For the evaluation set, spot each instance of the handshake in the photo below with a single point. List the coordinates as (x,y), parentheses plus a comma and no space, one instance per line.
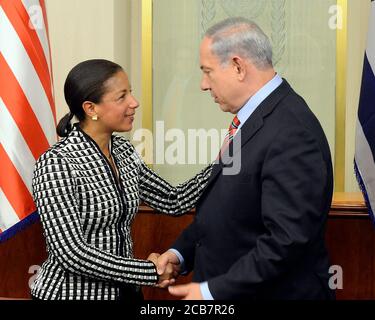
(168,267)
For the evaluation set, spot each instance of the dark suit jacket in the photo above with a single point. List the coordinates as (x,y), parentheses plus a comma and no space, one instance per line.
(259,234)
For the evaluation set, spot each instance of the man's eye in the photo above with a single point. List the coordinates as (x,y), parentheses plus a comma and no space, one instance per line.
(122,97)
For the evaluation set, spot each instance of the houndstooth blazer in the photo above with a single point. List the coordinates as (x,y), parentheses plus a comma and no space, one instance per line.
(86,216)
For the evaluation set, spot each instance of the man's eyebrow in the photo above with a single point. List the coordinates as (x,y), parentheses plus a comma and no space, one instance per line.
(205,68)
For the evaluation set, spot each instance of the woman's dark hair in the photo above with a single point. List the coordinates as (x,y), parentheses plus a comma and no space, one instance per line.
(85,82)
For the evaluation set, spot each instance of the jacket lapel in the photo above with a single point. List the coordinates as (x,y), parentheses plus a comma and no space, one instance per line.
(252,125)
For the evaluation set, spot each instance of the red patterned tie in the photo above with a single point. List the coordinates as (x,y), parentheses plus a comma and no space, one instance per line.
(232,130)
(230,134)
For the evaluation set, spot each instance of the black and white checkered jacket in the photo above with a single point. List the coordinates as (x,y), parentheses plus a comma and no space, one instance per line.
(86,216)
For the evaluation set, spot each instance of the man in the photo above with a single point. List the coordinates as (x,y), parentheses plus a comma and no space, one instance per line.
(258,234)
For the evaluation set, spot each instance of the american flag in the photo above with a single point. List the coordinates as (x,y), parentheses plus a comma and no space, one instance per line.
(365,136)
(27,109)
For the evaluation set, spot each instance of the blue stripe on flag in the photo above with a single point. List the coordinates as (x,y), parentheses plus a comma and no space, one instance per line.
(30,219)
(366,111)
(365,136)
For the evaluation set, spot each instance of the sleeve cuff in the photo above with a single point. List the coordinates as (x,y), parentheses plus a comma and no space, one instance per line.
(181,259)
(205,291)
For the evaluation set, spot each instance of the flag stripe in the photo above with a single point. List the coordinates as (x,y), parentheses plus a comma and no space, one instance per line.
(364,162)
(23,69)
(21,111)
(8,217)
(15,146)
(14,188)
(39,29)
(18,14)
(367,98)
(27,108)
(19,19)
(42,4)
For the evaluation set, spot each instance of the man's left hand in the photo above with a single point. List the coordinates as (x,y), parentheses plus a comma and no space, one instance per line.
(190,291)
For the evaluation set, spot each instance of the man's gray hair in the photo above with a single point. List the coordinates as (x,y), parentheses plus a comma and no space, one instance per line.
(243,37)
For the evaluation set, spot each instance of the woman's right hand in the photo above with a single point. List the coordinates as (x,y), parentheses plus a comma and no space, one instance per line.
(169,274)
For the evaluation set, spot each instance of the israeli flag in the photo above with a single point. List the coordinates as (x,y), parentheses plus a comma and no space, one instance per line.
(364,162)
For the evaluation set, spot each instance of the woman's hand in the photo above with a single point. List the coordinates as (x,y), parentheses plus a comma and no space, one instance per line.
(169,273)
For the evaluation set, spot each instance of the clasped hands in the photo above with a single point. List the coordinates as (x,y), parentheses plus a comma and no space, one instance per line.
(168,268)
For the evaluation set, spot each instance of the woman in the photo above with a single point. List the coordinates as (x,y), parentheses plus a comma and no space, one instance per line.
(87,188)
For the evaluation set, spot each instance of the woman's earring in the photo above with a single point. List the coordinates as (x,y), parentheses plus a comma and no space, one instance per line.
(95,118)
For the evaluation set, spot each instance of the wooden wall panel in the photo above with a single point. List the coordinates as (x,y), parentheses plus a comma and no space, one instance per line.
(156,233)
(350,241)
(17,255)
(351,244)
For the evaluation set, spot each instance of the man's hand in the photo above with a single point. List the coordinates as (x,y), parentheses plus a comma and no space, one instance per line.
(167,269)
(164,259)
(190,291)
(167,260)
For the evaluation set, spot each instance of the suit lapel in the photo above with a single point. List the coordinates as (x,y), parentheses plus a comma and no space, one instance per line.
(251,126)
(255,121)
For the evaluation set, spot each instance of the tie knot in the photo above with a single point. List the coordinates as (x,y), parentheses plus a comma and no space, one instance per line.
(235,123)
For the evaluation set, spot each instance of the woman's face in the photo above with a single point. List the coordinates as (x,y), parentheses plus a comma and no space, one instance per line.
(117,107)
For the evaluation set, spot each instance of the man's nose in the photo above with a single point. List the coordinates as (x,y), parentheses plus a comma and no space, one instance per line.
(204,85)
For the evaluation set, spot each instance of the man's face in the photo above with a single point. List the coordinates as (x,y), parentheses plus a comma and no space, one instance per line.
(221,80)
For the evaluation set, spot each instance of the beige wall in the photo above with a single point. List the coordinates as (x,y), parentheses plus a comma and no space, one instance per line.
(84,29)
(304,53)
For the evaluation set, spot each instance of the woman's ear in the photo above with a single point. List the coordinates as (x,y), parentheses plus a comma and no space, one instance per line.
(89,109)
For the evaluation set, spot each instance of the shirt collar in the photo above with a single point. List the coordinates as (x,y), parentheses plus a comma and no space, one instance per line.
(250,106)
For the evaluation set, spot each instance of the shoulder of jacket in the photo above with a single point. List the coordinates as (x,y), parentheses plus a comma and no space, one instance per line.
(60,148)
(120,142)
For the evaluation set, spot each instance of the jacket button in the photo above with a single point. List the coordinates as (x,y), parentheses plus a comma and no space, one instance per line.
(198,244)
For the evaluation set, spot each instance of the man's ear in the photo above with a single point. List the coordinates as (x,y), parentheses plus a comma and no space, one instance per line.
(89,109)
(240,67)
